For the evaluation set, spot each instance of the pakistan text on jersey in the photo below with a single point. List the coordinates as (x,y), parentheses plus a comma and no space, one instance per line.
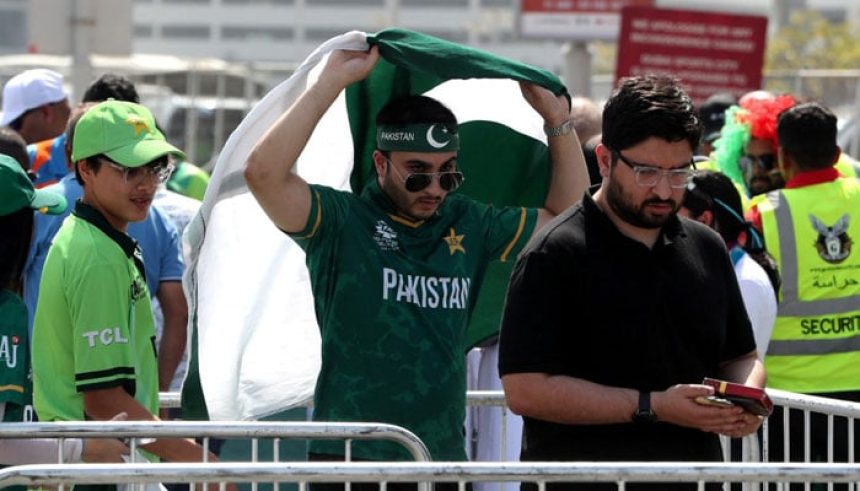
(433,292)
(830,325)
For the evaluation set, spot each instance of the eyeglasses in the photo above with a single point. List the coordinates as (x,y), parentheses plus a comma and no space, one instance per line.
(416,181)
(649,176)
(748,162)
(159,172)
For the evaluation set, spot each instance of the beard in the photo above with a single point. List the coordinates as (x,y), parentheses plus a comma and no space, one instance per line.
(404,202)
(636,215)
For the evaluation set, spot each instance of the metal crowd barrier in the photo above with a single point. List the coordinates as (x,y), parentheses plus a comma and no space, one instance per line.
(750,448)
(137,431)
(621,473)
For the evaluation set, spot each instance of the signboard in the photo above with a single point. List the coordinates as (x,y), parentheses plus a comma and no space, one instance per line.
(708,52)
(573,20)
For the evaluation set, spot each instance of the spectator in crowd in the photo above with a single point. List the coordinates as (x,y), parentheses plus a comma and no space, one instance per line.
(189,180)
(403,364)
(713,115)
(51,153)
(604,341)
(93,336)
(13,145)
(18,200)
(808,227)
(746,148)
(157,236)
(587,120)
(37,107)
(712,199)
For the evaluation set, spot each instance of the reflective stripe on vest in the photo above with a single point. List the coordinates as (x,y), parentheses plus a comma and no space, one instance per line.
(791,306)
(816,343)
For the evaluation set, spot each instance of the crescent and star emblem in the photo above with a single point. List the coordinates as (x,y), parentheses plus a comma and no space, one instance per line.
(434,142)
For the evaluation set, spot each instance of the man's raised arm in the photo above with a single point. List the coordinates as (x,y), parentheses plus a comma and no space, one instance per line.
(284,196)
(569,175)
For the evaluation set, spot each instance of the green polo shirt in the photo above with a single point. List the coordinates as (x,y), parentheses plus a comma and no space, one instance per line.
(93,327)
(392,300)
(15,388)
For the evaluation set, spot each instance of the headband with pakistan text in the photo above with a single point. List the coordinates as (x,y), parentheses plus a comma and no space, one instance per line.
(417,137)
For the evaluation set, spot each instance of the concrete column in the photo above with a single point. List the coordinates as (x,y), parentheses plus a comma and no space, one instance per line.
(576,67)
(82,23)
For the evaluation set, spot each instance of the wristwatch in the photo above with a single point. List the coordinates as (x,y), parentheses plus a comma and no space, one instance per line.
(643,413)
(560,130)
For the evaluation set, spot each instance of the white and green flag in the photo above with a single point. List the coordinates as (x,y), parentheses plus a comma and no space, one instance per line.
(256,337)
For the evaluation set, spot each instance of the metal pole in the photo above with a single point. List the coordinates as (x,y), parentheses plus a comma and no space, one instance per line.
(82,22)
(576,68)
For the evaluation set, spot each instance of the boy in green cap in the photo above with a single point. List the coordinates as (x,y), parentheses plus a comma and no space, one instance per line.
(18,199)
(93,334)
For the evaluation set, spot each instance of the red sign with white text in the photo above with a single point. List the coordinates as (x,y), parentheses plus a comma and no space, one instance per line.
(573,19)
(708,52)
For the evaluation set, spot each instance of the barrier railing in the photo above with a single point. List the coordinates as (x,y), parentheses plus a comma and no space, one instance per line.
(220,429)
(750,449)
(621,473)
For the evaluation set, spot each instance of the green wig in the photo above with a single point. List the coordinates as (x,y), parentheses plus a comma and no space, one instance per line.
(729,147)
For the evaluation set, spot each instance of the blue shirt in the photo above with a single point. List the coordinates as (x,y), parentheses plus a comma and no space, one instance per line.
(157,236)
(48,161)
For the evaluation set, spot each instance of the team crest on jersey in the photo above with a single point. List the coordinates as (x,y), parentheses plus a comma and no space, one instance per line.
(833,243)
(385,237)
(137,289)
(454,241)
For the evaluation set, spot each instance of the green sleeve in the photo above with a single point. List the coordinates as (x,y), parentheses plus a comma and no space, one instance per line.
(101,314)
(508,231)
(328,212)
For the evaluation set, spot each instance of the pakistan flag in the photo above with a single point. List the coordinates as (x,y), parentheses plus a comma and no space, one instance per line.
(257,341)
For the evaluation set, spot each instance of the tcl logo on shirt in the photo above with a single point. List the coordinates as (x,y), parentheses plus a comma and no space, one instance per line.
(111,335)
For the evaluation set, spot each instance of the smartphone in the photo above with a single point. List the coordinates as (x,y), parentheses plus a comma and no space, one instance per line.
(714,401)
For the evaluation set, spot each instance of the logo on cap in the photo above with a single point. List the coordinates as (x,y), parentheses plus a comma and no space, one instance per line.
(139,124)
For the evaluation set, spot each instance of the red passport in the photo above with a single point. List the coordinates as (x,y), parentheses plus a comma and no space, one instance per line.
(753,399)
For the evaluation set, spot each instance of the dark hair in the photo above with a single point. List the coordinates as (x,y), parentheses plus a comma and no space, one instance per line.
(416,109)
(649,106)
(16,229)
(13,145)
(715,192)
(111,86)
(807,134)
(93,163)
(588,151)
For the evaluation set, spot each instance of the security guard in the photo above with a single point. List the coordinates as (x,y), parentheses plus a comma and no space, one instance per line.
(809,227)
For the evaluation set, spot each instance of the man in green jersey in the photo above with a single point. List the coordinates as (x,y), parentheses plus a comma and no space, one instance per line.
(393,267)
(93,336)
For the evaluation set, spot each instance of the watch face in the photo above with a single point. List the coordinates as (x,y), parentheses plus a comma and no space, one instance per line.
(644,417)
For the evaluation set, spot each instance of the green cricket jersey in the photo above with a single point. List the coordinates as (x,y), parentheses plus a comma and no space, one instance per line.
(392,299)
(93,327)
(15,387)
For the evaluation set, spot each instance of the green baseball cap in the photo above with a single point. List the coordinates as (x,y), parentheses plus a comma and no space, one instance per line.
(123,131)
(17,192)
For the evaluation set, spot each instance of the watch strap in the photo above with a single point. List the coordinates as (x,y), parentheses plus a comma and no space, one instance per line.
(560,130)
(643,413)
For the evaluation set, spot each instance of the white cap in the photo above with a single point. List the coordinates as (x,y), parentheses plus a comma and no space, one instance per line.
(28,90)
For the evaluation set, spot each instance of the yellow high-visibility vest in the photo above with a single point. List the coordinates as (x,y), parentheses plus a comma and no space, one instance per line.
(811,232)
(847,166)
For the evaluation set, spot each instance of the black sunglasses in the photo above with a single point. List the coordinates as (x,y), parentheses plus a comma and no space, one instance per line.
(416,181)
(766,162)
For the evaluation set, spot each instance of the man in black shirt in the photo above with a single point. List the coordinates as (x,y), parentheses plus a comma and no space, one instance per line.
(618,309)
